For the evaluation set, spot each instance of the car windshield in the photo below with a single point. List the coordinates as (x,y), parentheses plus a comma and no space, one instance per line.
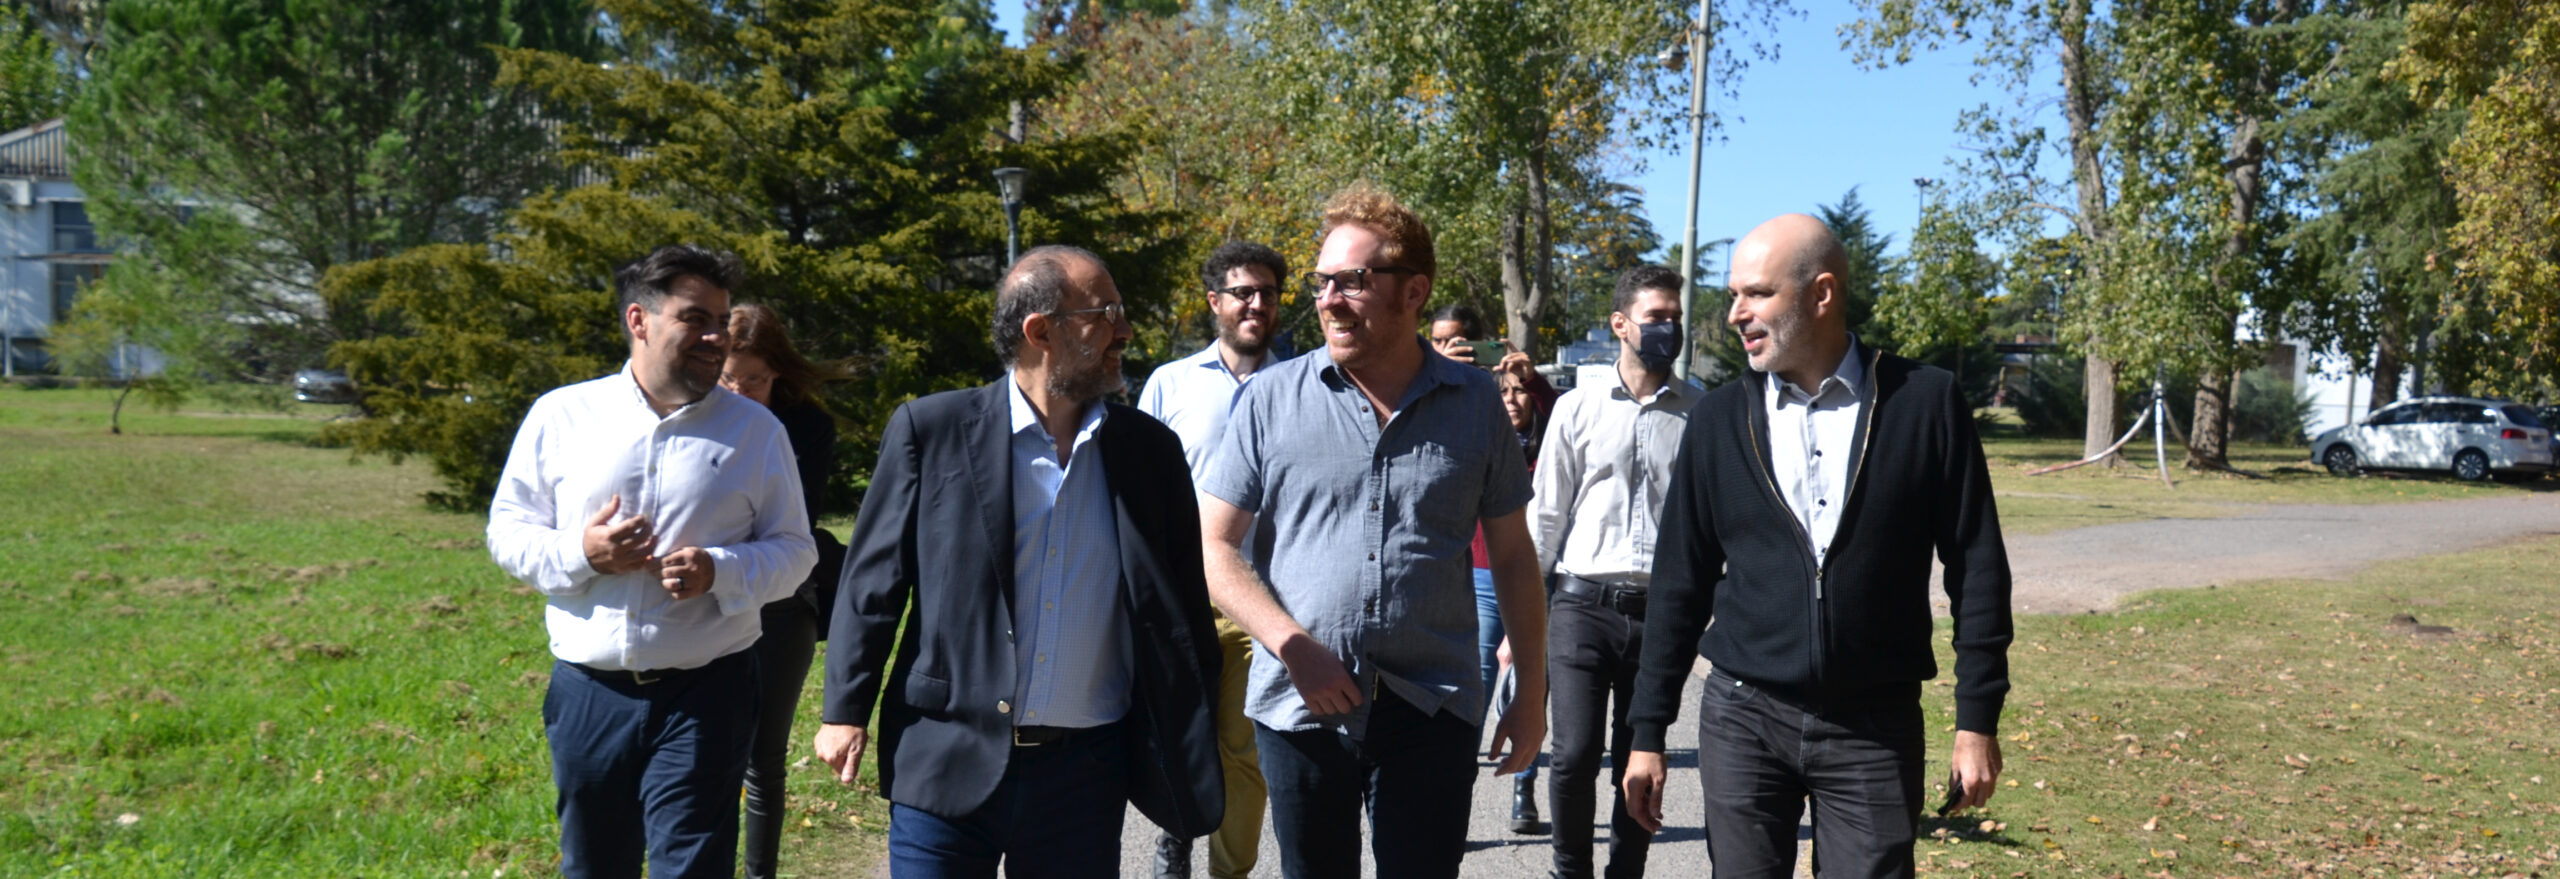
(2522,416)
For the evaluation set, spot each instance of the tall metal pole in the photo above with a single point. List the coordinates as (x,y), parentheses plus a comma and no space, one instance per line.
(1697,146)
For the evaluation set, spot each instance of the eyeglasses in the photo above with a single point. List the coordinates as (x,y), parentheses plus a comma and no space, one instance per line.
(1351,283)
(1248,292)
(1114,312)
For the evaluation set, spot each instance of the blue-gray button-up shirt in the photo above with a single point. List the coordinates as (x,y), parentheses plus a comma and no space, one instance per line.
(1073,662)
(1370,526)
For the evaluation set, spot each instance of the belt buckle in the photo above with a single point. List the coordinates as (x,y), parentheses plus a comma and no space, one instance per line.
(648,677)
(1019,743)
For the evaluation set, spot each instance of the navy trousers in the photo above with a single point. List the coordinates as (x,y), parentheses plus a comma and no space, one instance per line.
(1056,813)
(1415,772)
(650,768)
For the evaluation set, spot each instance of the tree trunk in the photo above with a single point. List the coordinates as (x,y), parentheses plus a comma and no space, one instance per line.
(2388,361)
(1515,273)
(2080,110)
(2208,446)
(1523,302)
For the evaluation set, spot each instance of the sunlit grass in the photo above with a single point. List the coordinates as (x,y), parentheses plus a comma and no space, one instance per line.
(242,655)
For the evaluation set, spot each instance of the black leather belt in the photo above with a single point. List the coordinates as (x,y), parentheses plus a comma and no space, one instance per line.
(1043,736)
(1624,596)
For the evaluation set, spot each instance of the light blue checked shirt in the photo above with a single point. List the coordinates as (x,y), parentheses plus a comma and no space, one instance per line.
(1072,659)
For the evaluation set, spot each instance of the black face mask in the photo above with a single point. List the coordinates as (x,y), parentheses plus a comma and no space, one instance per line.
(1658,345)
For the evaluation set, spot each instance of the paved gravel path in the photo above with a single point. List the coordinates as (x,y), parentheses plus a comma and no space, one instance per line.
(2064,572)
(2086,569)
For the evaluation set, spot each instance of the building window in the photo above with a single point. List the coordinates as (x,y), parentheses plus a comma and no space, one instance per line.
(72,232)
(68,280)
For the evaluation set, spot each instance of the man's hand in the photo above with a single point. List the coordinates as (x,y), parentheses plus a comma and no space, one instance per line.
(1321,680)
(685,573)
(1455,348)
(1524,729)
(1977,768)
(1643,789)
(840,745)
(616,547)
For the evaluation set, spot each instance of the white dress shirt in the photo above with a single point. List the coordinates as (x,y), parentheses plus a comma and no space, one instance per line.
(1073,661)
(1192,396)
(1601,477)
(717,474)
(1809,437)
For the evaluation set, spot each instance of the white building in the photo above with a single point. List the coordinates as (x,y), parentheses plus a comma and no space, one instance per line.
(49,248)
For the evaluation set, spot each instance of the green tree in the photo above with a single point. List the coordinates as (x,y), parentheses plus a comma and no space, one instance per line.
(2016,43)
(1939,309)
(246,147)
(34,84)
(2377,206)
(1482,113)
(841,147)
(2498,61)
(1871,271)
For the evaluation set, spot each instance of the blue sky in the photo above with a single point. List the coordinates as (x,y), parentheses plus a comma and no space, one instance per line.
(1809,126)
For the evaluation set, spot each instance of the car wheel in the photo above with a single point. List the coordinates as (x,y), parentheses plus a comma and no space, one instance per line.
(2341,461)
(2471,466)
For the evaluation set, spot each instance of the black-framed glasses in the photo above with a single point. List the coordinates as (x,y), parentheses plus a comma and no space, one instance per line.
(1247,292)
(1114,312)
(1351,283)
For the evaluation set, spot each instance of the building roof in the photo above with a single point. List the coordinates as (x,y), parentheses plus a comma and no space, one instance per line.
(39,151)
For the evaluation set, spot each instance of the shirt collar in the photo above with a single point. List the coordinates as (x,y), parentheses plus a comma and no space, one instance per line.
(1673,387)
(1212,357)
(1849,376)
(640,397)
(1026,418)
(1437,369)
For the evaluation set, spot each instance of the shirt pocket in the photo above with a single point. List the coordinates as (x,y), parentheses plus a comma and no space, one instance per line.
(1444,485)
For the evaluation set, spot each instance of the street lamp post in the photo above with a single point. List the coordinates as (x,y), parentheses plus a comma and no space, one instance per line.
(1697,50)
(1009,184)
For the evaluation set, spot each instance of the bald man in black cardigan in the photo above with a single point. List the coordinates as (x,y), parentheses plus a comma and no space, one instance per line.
(1805,506)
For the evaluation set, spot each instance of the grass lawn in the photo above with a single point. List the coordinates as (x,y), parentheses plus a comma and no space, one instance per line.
(2098,494)
(249,656)
(242,655)
(2282,728)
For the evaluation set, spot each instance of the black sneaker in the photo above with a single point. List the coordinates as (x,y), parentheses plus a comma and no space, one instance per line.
(1173,857)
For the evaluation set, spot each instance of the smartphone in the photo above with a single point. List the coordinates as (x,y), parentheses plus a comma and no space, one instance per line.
(1488,352)
(1955,794)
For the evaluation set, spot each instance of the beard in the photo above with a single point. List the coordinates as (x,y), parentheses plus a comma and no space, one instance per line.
(1091,375)
(1231,334)
(1788,331)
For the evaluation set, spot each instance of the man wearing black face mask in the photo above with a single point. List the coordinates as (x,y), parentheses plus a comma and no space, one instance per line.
(1599,483)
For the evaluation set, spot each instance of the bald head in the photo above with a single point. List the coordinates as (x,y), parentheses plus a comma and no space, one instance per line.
(1798,247)
(1788,303)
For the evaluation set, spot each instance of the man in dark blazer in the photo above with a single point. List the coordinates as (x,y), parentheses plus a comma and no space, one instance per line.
(1041,548)
(1806,503)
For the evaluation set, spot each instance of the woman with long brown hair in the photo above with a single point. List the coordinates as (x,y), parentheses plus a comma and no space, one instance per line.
(764,366)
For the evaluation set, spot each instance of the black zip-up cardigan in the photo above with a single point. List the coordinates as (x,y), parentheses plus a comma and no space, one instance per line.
(1860,628)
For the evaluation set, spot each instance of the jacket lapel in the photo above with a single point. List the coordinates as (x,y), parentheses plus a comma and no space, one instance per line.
(991,477)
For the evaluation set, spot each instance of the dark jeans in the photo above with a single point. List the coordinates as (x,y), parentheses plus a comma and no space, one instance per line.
(782,658)
(1416,774)
(1056,813)
(1760,756)
(1591,673)
(655,765)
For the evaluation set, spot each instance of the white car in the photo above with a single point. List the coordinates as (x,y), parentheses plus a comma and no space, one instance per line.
(2475,438)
